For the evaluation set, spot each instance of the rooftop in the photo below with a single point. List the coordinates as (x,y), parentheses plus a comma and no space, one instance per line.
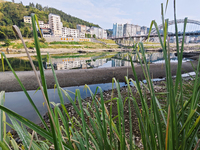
(54,15)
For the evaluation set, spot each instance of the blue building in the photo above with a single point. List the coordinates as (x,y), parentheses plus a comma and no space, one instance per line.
(117,30)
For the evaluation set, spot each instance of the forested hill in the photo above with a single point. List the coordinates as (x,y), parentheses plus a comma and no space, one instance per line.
(13,13)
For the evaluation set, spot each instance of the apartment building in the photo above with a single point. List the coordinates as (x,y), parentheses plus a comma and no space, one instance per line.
(65,32)
(74,33)
(143,30)
(117,30)
(98,32)
(27,19)
(46,32)
(55,24)
(104,34)
(133,29)
(46,26)
(95,31)
(41,24)
(130,30)
(127,30)
(81,35)
(138,28)
(81,28)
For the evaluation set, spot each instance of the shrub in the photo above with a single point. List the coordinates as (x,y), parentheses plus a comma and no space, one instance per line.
(7,42)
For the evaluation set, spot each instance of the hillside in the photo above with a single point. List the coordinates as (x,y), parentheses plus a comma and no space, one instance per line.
(13,13)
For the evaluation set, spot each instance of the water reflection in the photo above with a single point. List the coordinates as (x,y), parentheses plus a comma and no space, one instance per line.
(87,61)
(120,59)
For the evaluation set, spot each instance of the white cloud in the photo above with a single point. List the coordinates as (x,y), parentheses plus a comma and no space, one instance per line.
(100,14)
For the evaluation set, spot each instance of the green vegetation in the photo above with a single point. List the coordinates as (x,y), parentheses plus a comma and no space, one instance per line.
(55,45)
(17,63)
(88,35)
(107,41)
(83,55)
(171,125)
(30,45)
(152,47)
(85,44)
(109,32)
(150,43)
(13,13)
(67,43)
(7,42)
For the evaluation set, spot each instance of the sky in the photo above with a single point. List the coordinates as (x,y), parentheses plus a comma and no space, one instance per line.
(106,12)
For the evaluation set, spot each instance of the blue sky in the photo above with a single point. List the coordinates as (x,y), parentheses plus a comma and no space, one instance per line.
(107,12)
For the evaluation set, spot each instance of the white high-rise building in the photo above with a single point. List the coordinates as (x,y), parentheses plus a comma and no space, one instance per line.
(41,24)
(55,24)
(74,33)
(81,35)
(131,30)
(104,34)
(127,30)
(65,32)
(98,32)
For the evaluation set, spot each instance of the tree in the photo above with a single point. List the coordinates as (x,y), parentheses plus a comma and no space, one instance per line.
(27,32)
(7,42)
(94,36)
(32,5)
(87,35)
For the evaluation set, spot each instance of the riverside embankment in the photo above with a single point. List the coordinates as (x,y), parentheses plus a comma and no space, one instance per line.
(67,78)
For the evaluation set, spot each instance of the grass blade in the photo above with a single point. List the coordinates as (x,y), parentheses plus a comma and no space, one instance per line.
(31,125)
(2,100)
(3,146)
(20,132)
(83,120)
(2,62)
(26,93)
(36,40)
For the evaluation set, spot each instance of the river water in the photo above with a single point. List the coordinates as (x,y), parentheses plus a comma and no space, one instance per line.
(86,61)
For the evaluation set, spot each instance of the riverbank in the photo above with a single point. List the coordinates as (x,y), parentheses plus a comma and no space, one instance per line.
(67,78)
(22,53)
(14,52)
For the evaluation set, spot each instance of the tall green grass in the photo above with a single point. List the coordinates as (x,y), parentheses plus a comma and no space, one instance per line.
(93,127)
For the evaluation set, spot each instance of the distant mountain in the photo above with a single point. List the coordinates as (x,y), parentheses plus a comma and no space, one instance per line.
(13,13)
